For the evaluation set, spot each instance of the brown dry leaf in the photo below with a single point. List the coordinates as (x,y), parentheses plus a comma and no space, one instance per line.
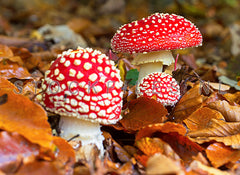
(230,113)
(65,154)
(167,127)
(5,51)
(200,118)
(219,154)
(233,98)
(197,167)
(220,131)
(173,134)
(11,69)
(143,111)
(150,146)
(161,164)
(190,101)
(19,114)
(14,149)
(7,85)
(42,168)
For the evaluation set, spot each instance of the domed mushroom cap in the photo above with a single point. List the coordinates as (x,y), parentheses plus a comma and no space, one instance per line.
(157,32)
(160,86)
(85,84)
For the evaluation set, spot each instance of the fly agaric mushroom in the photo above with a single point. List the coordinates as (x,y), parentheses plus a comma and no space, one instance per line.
(153,37)
(84,87)
(161,87)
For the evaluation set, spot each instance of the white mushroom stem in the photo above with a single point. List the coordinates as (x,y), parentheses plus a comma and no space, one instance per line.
(152,62)
(89,132)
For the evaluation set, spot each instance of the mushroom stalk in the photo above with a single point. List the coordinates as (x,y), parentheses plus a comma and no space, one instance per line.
(152,62)
(89,132)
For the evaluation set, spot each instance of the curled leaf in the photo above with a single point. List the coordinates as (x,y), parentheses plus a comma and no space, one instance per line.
(220,131)
(230,113)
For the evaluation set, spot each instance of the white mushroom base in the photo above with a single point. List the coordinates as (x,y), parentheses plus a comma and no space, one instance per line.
(89,132)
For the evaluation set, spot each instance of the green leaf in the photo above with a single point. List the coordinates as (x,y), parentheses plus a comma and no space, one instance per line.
(132,76)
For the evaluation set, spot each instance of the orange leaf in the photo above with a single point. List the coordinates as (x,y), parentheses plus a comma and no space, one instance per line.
(220,131)
(189,102)
(219,154)
(167,127)
(230,113)
(233,98)
(201,117)
(7,85)
(19,114)
(151,146)
(5,51)
(173,134)
(13,70)
(143,111)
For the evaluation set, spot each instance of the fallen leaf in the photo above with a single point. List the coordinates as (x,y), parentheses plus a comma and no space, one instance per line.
(199,168)
(29,119)
(190,101)
(200,118)
(7,85)
(233,98)
(230,113)
(41,167)
(14,149)
(11,69)
(161,164)
(143,111)
(167,127)
(174,135)
(5,52)
(220,131)
(219,154)
(150,146)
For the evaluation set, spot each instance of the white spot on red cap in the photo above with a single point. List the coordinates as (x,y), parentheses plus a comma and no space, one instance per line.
(72,73)
(87,66)
(77,62)
(93,77)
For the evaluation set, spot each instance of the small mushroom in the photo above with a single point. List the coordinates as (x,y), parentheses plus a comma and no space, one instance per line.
(153,37)
(160,86)
(84,87)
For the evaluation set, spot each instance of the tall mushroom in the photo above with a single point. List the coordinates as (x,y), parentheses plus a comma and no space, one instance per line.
(153,37)
(84,87)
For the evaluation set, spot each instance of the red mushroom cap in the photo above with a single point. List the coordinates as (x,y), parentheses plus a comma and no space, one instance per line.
(83,83)
(157,32)
(160,86)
